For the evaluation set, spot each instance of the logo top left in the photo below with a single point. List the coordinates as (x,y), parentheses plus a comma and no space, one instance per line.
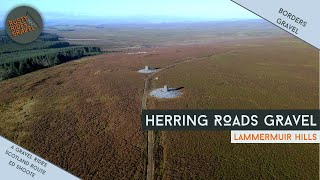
(24,24)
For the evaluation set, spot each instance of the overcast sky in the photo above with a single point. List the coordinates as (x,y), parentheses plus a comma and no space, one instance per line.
(80,9)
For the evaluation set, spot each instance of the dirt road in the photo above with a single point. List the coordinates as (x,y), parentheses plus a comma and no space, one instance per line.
(150,162)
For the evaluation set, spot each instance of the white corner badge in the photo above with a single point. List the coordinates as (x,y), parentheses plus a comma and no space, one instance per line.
(18,163)
(299,18)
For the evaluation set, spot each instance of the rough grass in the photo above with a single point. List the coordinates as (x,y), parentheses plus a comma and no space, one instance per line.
(84,115)
(274,75)
(86,123)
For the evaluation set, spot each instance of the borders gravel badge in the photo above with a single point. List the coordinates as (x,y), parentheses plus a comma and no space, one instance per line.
(24,24)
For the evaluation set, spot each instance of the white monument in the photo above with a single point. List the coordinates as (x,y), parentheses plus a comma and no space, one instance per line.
(165,88)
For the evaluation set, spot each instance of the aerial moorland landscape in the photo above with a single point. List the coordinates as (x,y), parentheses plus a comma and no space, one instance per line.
(75,97)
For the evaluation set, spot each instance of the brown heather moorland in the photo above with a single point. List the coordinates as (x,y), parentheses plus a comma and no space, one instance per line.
(84,115)
(271,74)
